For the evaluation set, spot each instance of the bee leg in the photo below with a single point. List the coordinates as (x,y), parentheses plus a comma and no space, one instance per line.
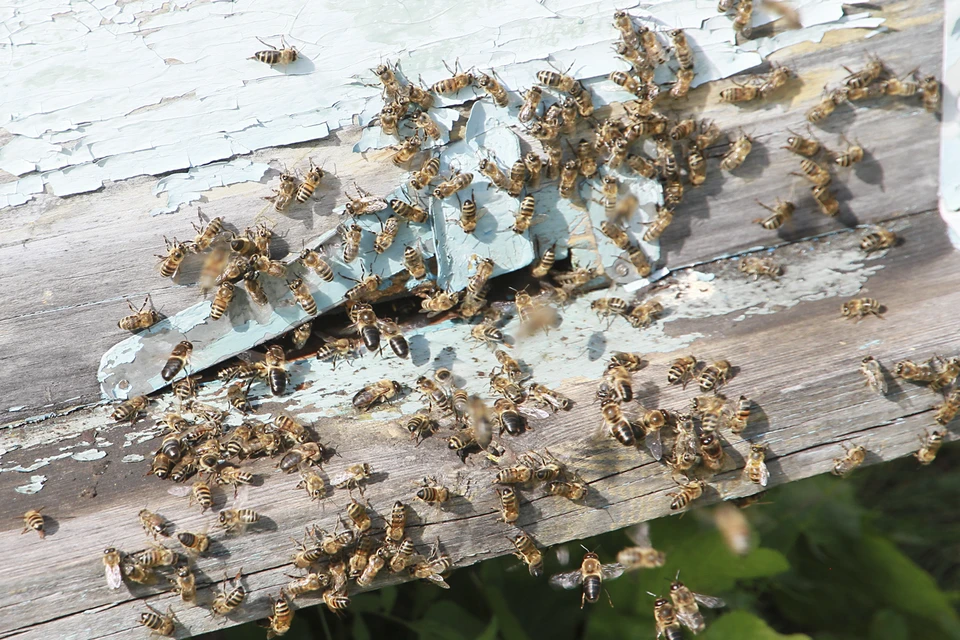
(609,599)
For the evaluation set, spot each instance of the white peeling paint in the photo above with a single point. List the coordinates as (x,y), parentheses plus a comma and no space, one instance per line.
(35,485)
(133,457)
(123,89)
(37,464)
(950,125)
(183,188)
(17,408)
(89,455)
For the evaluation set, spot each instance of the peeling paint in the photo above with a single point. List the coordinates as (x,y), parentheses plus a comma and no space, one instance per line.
(123,89)
(35,485)
(183,188)
(89,455)
(133,457)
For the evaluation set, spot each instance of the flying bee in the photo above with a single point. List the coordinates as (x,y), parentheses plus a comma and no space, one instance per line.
(591,575)
(236,521)
(686,605)
(426,124)
(930,88)
(139,320)
(531,101)
(568,178)
(457,182)
(929,446)
(152,524)
(850,157)
(170,263)
(509,504)
(826,200)
(682,85)
(860,308)
(948,410)
(743,17)
(737,154)
(870,368)
(546,397)
(432,492)
(458,81)
(738,422)
(614,420)
(33,521)
(428,171)
(643,555)
(853,458)
(131,408)
(714,375)
(528,553)
(494,89)
(779,215)
(755,470)
(226,601)
(664,615)
(757,266)
(689,490)
(404,153)
(523,219)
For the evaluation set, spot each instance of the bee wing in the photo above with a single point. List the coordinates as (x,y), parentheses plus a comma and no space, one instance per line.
(568,580)
(764,474)
(612,571)
(709,601)
(180,492)
(114,577)
(251,356)
(373,204)
(533,412)
(439,581)
(563,554)
(640,534)
(243,492)
(654,444)
(692,620)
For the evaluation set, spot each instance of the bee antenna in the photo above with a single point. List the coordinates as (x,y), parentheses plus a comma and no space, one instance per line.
(652,594)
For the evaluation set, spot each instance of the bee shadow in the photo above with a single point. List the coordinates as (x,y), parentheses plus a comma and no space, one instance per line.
(649,392)
(758,424)
(755,163)
(869,170)
(596,346)
(50,526)
(419,349)
(217,549)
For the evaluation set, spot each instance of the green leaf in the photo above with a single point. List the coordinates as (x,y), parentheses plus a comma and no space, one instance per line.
(510,627)
(388,597)
(490,633)
(741,625)
(446,620)
(360,631)
(888,625)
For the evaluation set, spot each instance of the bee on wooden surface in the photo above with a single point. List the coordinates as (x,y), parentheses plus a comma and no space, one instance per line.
(866,76)
(681,87)
(696,166)
(667,161)
(139,574)
(739,93)
(236,521)
(930,88)
(689,490)
(756,267)
(494,89)
(639,260)
(822,110)
(738,421)
(517,474)
(618,426)
(152,524)
(313,484)
(222,300)
(948,410)
(353,477)
(228,600)
(826,200)
(774,80)
(170,263)
(714,375)
(358,516)
(870,368)
(157,556)
(531,101)
(200,493)
(929,446)
(158,623)
(183,469)
(375,563)
(909,370)
(947,375)
(778,215)
(310,182)
(337,601)
(571,490)
(131,408)
(658,225)
(850,157)
(394,337)
(509,417)
(282,619)
(642,315)
(364,203)
(620,382)
(738,152)
(556,80)
(526,551)
(229,474)
(755,469)
(509,504)
(641,166)
(206,234)
(546,397)
(439,302)
(333,543)
(590,575)
(878,239)
(643,555)
(33,521)
(185,584)
(301,456)
(285,192)
(860,308)
(194,543)
(436,396)
(743,17)
(433,567)
(686,605)
(664,615)
(432,492)
(306,584)
(801,146)
(404,153)
(897,87)
(140,319)
(301,293)
(459,80)
(457,182)
(711,447)
(582,97)
(853,458)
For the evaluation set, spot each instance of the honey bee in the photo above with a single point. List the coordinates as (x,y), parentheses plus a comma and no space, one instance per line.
(643,314)
(696,165)
(799,145)
(682,85)
(619,427)
(139,320)
(866,76)
(177,360)
(509,417)
(664,615)
(930,88)
(739,93)
(452,85)
(457,182)
(544,263)
(774,80)
(200,492)
(152,524)
(486,333)
(628,82)
(313,260)
(386,75)
(282,618)
(947,376)
(439,302)
(394,337)
(590,575)
(284,56)
(689,490)
(741,21)
(605,307)
(312,483)
(274,370)
(389,118)
(948,410)
(285,193)
(756,267)
(555,80)
(564,489)
(822,110)
(301,456)
(407,211)
(714,375)
(494,89)
(686,604)
(194,543)
(738,422)
(353,477)
(734,528)
(158,623)
(420,426)
(860,308)
(310,182)
(779,215)
(870,368)
(404,153)
(222,300)
(131,408)
(681,49)
(158,556)
(301,293)
(643,555)
(335,349)
(853,458)
(426,124)
(432,492)
(641,166)
(170,263)
(826,200)
(306,584)
(428,171)
(909,370)
(33,521)
(533,165)
(509,504)
(657,226)
(929,446)
(546,397)
(527,552)
(850,157)
(518,175)
(651,46)
(523,219)
(358,516)
(235,521)
(384,240)
(878,239)
(333,543)
(531,101)
(582,97)
(568,178)
(755,470)
(554,160)
(737,154)
(185,584)
(227,601)
(627,33)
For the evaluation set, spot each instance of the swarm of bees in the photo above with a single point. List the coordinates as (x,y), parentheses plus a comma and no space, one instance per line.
(200,446)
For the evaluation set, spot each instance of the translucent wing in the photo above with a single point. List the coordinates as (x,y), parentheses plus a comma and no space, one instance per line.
(533,412)
(612,571)
(563,554)
(709,601)
(640,534)
(764,474)
(180,492)
(439,581)
(692,620)
(654,444)
(568,580)
(114,577)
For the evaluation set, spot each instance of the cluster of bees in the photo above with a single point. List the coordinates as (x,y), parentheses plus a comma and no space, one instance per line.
(689,441)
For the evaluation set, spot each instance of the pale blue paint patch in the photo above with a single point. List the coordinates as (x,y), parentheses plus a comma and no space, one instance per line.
(867,345)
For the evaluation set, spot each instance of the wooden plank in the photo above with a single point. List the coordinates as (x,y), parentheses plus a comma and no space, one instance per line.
(71,261)
(811,398)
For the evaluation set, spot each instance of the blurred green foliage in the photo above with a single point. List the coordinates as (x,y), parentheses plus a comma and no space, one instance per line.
(872,557)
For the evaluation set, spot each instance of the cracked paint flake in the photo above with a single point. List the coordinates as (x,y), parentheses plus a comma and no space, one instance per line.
(35,485)
(122,89)
(184,188)
(89,455)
